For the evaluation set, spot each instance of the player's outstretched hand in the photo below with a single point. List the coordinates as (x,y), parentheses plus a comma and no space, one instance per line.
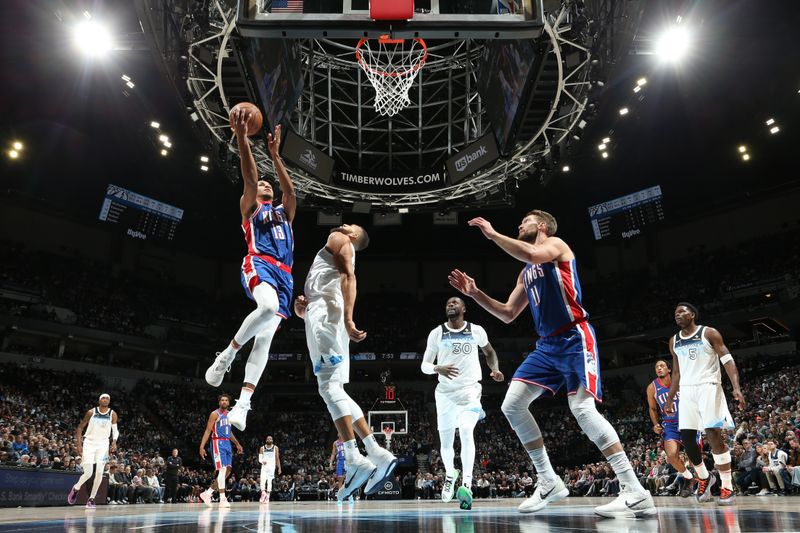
(355,334)
(485,226)
(240,119)
(739,397)
(463,283)
(497,375)
(448,371)
(300,304)
(202,453)
(274,142)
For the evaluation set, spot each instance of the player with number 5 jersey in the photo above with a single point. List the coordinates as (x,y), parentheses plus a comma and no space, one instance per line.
(565,358)
(266,270)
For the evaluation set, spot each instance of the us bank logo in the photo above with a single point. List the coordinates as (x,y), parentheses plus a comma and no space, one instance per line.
(309,159)
(463,162)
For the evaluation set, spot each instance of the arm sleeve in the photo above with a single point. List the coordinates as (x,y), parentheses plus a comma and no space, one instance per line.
(114,432)
(430,352)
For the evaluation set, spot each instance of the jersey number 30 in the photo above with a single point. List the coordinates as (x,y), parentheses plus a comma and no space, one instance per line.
(461,347)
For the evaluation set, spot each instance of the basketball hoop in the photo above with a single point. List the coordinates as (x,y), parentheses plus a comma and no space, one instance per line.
(392,66)
(387,432)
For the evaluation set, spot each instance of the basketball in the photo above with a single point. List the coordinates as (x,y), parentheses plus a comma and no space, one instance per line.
(254,118)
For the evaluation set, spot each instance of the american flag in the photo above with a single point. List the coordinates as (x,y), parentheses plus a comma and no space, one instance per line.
(287,6)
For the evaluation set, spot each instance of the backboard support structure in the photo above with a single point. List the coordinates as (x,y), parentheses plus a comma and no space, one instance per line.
(440,19)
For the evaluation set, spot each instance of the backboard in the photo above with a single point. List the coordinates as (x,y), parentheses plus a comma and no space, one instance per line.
(433,19)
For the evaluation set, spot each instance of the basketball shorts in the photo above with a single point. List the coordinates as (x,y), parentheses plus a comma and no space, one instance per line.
(221,453)
(704,406)
(340,469)
(566,360)
(671,432)
(94,452)
(451,403)
(256,270)
(327,339)
(267,471)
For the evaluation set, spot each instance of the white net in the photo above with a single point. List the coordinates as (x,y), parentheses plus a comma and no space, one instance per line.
(392,66)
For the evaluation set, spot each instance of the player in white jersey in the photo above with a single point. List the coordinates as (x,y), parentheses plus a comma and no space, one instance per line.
(270,459)
(697,352)
(101,425)
(327,307)
(454,346)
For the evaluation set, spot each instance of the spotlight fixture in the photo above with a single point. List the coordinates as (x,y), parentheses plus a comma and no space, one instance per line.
(623,111)
(565,168)
(602,147)
(673,44)
(637,89)
(168,144)
(155,125)
(746,157)
(204,168)
(13,154)
(606,140)
(742,149)
(91,38)
(125,77)
(774,129)
(163,138)
(204,158)
(130,84)
(605,155)
(770,121)
(641,81)
(17,146)
(164,151)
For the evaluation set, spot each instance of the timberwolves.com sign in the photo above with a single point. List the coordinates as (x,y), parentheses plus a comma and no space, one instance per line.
(422,181)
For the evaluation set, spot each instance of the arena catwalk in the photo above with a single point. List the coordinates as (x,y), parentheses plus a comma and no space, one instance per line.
(674,515)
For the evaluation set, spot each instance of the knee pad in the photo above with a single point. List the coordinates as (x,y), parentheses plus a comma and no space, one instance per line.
(515,408)
(593,424)
(266,298)
(689,438)
(335,398)
(722,458)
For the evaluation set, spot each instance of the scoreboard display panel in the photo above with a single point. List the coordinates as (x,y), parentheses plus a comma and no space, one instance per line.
(139,216)
(626,216)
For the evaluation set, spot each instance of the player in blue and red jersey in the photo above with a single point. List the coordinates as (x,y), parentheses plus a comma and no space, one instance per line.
(218,429)
(565,357)
(667,426)
(266,269)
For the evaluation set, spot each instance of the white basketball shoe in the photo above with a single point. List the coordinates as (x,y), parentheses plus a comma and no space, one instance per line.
(358,472)
(547,490)
(629,504)
(221,365)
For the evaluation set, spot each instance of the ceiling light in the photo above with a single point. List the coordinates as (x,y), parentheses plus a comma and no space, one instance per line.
(92,38)
(602,147)
(637,89)
(163,138)
(565,168)
(746,157)
(770,121)
(204,168)
(155,125)
(130,84)
(673,44)
(606,140)
(641,81)
(605,155)
(168,144)
(774,129)
(623,111)
(742,149)
(13,154)
(164,151)
(204,158)
(17,145)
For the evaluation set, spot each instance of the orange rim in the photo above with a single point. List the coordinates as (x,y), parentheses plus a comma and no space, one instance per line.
(385,39)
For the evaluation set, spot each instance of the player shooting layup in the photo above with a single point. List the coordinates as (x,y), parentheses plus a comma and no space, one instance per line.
(266,269)
(454,346)
(565,356)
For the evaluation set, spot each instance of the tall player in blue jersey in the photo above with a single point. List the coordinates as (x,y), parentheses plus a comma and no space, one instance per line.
(565,356)
(218,429)
(667,426)
(266,269)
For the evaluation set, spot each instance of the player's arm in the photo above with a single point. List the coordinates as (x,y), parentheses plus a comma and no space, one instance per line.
(300,304)
(339,244)
(726,359)
(114,431)
(676,379)
(212,419)
(333,456)
(506,312)
(278,460)
(249,200)
(493,362)
(449,371)
(550,250)
(262,458)
(239,448)
(653,408)
(288,196)
(79,431)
